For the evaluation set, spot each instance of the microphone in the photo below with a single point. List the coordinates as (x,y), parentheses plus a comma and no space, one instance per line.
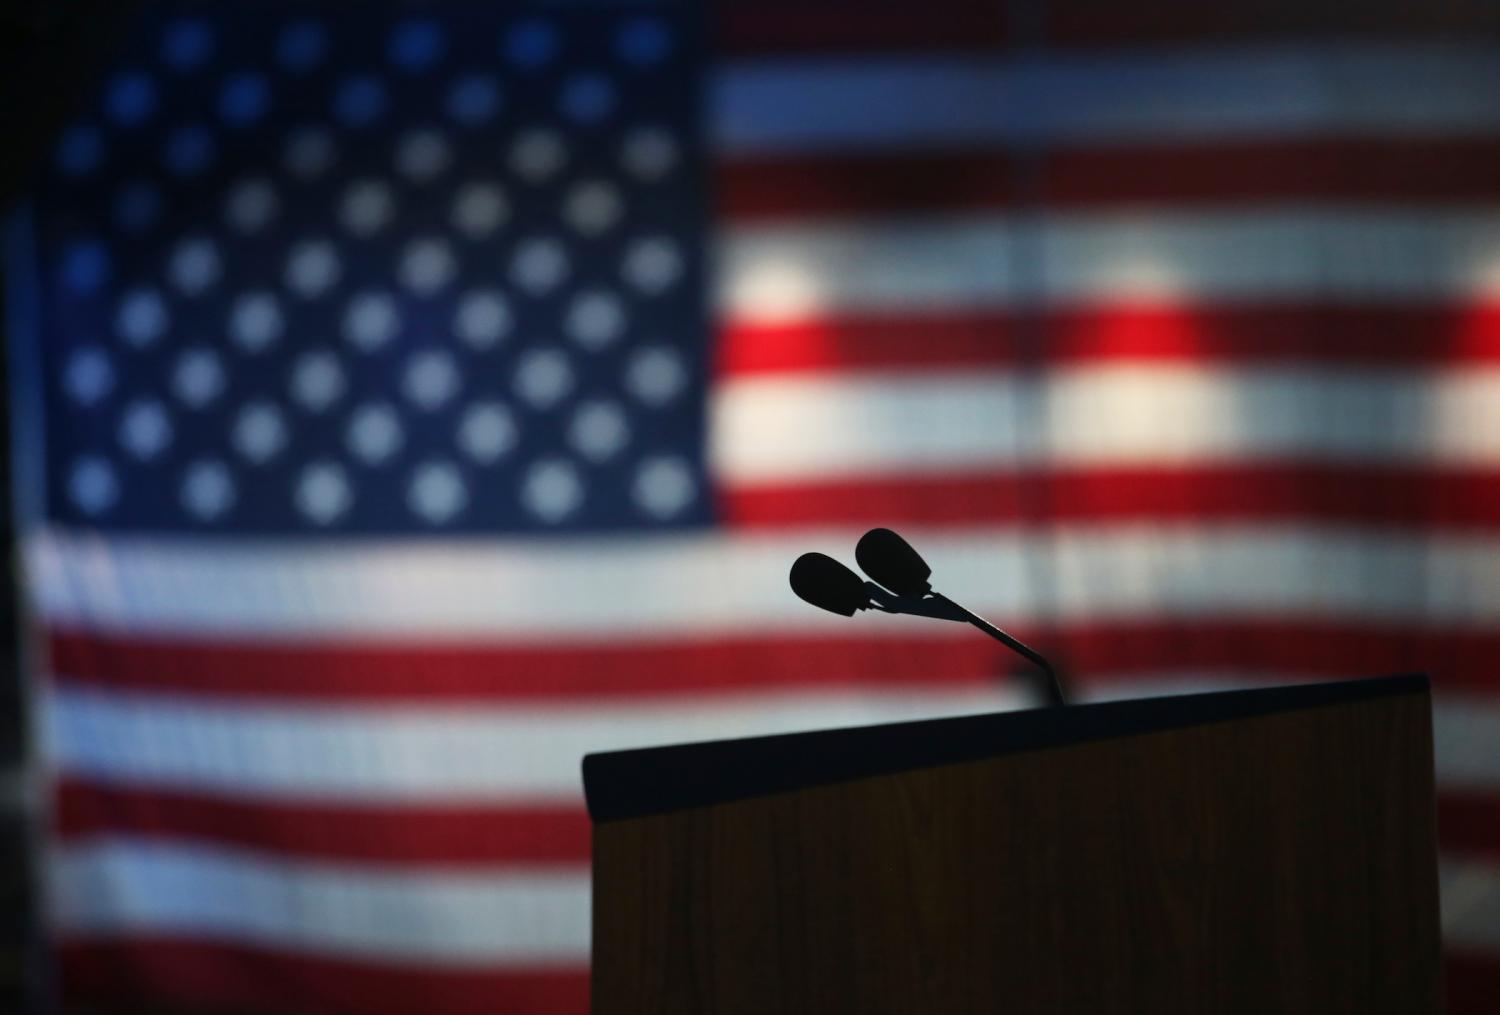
(904,586)
(892,562)
(825,583)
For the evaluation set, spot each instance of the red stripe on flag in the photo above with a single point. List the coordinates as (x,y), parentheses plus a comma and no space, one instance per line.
(157,974)
(1469,822)
(1111,653)
(1261,492)
(1302,335)
(1455,657)
(1472,981)
(1429,169)
(866,184)
(437,672)
(1433,170)
(1112,23)
(425,833)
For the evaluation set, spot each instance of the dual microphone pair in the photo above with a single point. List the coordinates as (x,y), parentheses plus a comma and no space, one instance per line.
(901,585)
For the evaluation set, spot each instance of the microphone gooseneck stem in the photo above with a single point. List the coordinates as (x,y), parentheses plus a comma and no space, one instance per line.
(1054,687)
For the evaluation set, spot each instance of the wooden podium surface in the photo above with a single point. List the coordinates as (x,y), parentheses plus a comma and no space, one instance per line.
(1250,851)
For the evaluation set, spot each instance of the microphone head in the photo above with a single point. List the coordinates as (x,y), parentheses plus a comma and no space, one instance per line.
(891,561)
(819,579)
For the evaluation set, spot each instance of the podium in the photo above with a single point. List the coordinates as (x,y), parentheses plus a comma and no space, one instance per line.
(1261,851)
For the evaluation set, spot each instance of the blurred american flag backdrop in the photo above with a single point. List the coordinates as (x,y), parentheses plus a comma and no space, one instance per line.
(414,398)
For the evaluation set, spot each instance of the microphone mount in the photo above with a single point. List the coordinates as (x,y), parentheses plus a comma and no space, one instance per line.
(940,607)
(824,582)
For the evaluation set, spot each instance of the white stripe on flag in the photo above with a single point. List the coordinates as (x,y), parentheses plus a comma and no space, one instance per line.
(780,428)
(422,754)
(469,753)
(123,887)
(803,105)
(1471,902)
(1466,738)
(108,888)
(649,590)
(780,271)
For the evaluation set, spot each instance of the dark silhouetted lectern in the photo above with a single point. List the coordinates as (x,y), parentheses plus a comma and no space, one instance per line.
(1261,851)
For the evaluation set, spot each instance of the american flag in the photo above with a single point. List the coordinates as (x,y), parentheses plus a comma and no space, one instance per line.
(417,397)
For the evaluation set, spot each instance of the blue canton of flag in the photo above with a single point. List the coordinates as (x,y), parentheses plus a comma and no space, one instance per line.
(381,274)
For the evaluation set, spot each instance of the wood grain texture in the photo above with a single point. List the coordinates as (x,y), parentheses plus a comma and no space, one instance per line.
(1285,863)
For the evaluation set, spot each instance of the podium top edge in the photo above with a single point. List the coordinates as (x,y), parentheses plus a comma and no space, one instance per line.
(621,785)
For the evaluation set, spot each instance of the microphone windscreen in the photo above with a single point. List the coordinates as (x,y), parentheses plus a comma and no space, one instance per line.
(822,581)
(890,561)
